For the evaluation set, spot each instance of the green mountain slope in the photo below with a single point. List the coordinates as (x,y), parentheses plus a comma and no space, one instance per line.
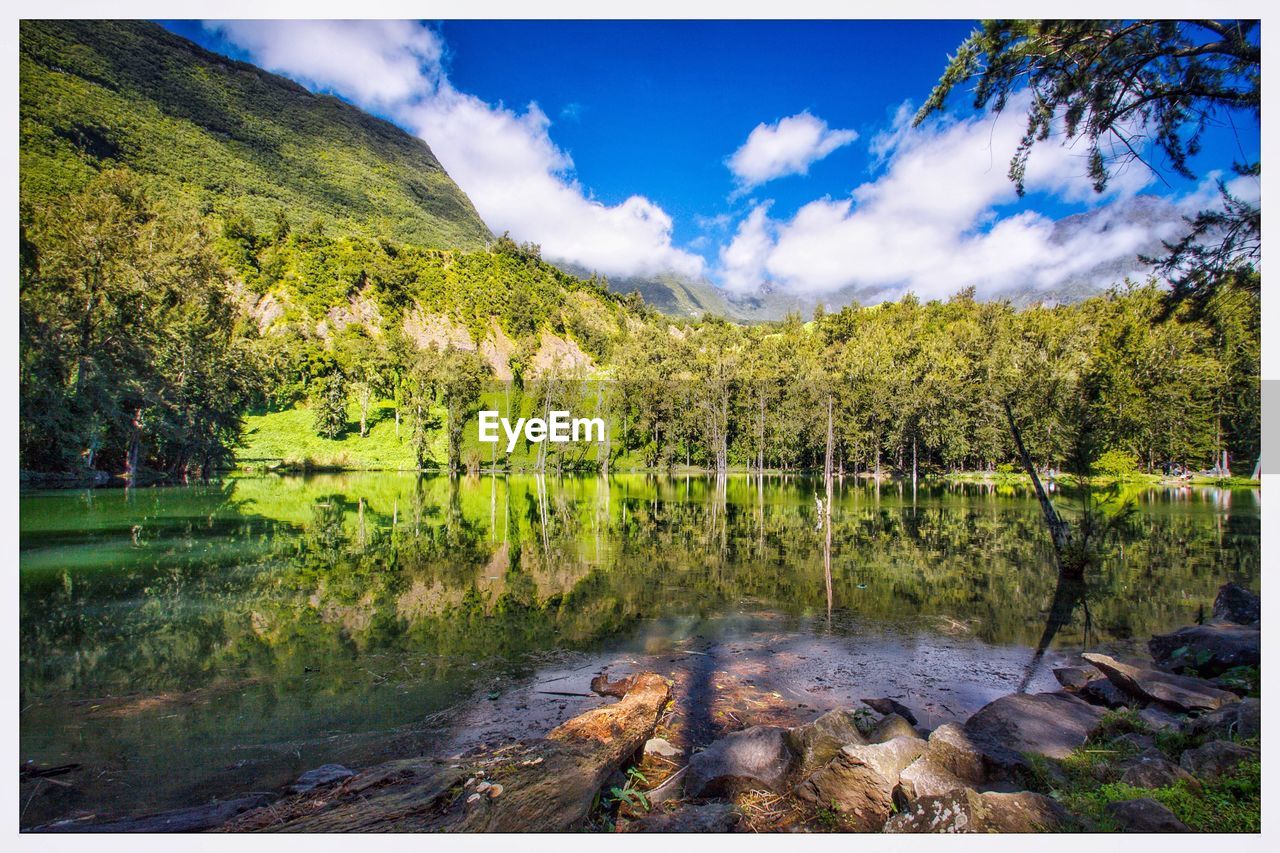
(217,134)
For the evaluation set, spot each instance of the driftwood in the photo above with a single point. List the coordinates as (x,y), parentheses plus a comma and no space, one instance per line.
(194,819)
(547,785)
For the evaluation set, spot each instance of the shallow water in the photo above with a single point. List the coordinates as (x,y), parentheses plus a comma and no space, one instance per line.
(185,643)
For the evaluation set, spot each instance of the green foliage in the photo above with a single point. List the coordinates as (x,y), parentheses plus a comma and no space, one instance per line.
(216,135)
(1115,84)
(131,352)
(330,407)
(1117,464)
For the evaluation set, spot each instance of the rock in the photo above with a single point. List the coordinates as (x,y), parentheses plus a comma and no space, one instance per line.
(671,788)
(1154,771)
(1209,650)
(1237,604)
(818,742)
(1144,815)
(1103,692)
(890,727)
(1135,742)
(859,782)
(924,778)
(1215,758)
(757,758)
(967,811)
(1249,718)
(1049,724)
(888,706)
(1158,719)
(1076,677)
(661,746)
(326,774)
(1174,692)
(703,817)
(952,750)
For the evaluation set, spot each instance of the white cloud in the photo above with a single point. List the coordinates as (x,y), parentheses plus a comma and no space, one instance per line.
(505,160)
(742,262)
(930,222)
(787,147)
(373,63)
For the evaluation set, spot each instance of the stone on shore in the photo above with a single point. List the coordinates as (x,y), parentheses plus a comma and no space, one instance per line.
(1174,692)
(1154,771)
(819,741)
(1144,815)
(756,759)
(890,727)
(1237,604)
(967,811)
(1239,719)
(887,706)
(1208,650)
(1215,759)
(1076,678)
(1048,724)
(859,782)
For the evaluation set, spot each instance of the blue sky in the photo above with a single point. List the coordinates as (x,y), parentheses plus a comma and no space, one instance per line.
(629,147)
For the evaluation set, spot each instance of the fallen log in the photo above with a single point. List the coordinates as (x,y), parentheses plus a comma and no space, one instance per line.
(547,785)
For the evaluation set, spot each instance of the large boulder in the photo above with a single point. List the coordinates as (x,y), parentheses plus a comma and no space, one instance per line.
(952,749)
(1154,771)
(1208,650)
(1237,604)
(925,777)
(890,727)
(757,758)
(859,782)
(818,742)
(1215,758)
(1144,815)
(967,811)
(1049,724)
(1174,692)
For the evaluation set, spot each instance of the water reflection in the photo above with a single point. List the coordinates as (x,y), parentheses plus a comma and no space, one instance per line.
(234,623)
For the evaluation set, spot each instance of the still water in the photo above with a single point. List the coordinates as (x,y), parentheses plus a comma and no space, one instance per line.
(180,644)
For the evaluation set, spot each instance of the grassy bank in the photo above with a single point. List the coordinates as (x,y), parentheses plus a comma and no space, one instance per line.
(287,440)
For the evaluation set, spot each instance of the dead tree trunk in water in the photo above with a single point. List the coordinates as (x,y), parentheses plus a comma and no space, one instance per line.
(1059,531)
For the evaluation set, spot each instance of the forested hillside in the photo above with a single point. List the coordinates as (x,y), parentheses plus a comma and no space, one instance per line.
(203,242)
(215,135)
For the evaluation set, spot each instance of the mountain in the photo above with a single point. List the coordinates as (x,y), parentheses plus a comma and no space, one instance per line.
(1152,217)
(218,135)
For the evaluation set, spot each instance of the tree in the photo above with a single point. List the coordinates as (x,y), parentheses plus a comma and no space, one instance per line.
(131,355)
(330,407)
(1119,85)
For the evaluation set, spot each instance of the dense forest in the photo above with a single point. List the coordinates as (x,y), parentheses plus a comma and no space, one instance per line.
(188,258)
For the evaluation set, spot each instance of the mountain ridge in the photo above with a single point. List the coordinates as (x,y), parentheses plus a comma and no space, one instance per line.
(223,135)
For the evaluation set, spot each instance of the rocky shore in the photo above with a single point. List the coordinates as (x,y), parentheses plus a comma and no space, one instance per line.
(1166,744)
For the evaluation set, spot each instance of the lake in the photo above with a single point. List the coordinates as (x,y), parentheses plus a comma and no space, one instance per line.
(184,643)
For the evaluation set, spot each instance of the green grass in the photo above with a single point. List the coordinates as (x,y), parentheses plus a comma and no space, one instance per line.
(288,439)
(1088,780)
